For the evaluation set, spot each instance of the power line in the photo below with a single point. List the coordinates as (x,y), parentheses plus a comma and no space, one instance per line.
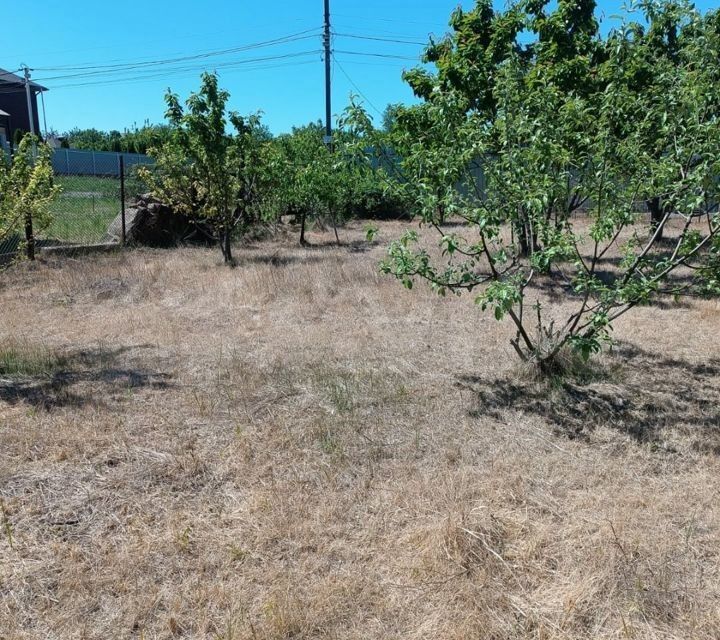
(358,89)
(378,55)
(133,74)
(142,66)
(141,63)
(249,64)
(380,39)
(147,70)
(378,63)
(387,33)
(97,69)
(154,78)
(156,73)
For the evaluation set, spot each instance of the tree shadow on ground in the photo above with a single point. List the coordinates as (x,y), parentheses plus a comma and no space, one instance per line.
(635,392)
(80,378)
(253,252)
(352,246)
(278,260)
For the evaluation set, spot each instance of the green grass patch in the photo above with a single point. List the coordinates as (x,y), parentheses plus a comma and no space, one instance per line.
(86,207)
(81,218)
(101,187)
(28,360)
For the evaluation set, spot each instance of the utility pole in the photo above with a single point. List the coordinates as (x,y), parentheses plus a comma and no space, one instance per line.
(31,115)
(29,234)
(328,99)
(328,79)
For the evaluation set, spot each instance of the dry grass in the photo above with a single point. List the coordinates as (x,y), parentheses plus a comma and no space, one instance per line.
(298,448)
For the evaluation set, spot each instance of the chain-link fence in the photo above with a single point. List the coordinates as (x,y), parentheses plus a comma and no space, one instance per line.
(96,189)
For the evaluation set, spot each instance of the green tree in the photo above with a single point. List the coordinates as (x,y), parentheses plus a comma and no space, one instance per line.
(516,133)
(133,140)
(26,191)
(558,48)
(88,139)
(303,153)
(650,50)
(323,183)
(206,172)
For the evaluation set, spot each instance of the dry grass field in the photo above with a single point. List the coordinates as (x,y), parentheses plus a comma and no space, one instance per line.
(300,448)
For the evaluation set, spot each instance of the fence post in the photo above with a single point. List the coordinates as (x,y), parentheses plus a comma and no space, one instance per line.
(121,160)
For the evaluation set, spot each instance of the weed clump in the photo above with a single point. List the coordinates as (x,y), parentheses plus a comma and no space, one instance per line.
(567,366)
(24,359)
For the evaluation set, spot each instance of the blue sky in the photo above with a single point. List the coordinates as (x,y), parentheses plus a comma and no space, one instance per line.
(285,81)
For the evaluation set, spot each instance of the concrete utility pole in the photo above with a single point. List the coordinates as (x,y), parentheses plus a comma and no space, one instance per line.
(328,98)
(29,234)
(31,115)
(328,78)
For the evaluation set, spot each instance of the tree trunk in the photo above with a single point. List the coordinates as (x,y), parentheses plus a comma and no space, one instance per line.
(29,237)
(524,244)
(226,246)
(303,218)
(657,214)
(526,237)
(334,221)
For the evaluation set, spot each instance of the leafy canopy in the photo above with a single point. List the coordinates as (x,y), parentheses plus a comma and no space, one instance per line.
(544,139)
(320,182)
(211,174)
(26,188)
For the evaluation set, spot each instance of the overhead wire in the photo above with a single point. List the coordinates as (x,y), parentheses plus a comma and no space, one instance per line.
(380,39)
(100,70)
(391,163)
(127,76)
(252,64)
(97,69)
(358,89)
(138,71)
(378,63)
(131,75)
(386,33)
(378,55)
(149,79)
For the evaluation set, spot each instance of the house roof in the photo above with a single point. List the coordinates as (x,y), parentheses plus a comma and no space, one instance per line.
(7,78)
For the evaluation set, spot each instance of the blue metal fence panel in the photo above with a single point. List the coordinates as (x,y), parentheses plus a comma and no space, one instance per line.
(73,162)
